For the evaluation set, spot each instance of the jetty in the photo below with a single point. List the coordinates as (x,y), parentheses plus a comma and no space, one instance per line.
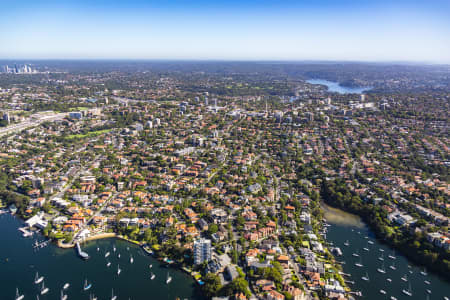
(38,245)
(81,253)
(25,232)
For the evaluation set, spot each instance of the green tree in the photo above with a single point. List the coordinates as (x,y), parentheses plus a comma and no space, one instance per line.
(212,284)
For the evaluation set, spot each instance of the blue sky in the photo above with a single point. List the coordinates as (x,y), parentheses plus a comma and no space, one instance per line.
(364,30)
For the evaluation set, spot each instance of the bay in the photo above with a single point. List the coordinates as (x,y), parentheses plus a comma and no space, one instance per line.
(337,88)
(19,263)
(345,226)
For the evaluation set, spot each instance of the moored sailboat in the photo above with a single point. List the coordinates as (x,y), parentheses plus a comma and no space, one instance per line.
(63,296)
(407,292)
(113,297)
(44,290)
(18,296)
(38,279)
(365,277)
(86,285)
(392,256)
(382,270)
(359,263)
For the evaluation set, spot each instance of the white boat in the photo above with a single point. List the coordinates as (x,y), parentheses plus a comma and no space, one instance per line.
(118,270)
(98,249)
(38,279)
(370,242)
(346,243)
(392,256)
(44,290)
(118,256)
(152,276)
(114,249)
(18,296)
(427,282)
(428,291)
(356,254)
(66,286)
(63,297)
(383,292)
(359,264)
(393,298)
(389,280)
(393,266)
(424,272)
(86,285)
(108,264)
(381,258)
(408,291)
(150,266)
(169,279)
(446,298)
(405,278)
(107,254)
(366,277)
(92,297)
(382,270)
(131,259)
(382,250)
(367,247)
(113,297)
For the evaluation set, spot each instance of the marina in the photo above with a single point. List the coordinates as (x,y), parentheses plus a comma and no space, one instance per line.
(65,274)
(369,273)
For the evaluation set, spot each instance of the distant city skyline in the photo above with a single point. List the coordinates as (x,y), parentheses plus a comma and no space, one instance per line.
(348,30)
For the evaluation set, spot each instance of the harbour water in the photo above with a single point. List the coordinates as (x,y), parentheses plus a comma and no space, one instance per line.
(347,227)
(19,263)
(337,88)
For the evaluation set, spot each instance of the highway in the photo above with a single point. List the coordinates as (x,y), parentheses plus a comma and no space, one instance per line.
(31,122)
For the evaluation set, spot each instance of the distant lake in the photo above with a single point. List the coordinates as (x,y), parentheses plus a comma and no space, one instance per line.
(336,88)
(19,263)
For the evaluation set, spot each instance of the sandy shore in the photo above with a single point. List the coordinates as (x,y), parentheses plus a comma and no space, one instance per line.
(100,236)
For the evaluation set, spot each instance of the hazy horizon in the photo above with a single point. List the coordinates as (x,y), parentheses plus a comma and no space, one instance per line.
(351,31)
